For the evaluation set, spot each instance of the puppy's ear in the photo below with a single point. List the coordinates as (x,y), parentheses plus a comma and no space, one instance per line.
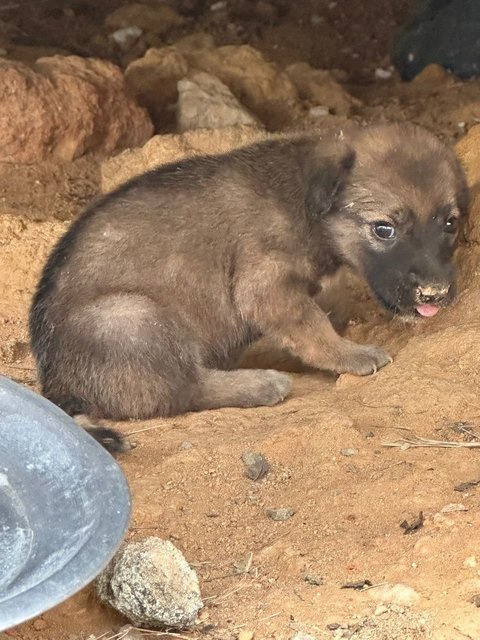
(326,178)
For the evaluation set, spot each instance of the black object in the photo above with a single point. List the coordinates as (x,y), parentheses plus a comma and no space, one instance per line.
(445,32)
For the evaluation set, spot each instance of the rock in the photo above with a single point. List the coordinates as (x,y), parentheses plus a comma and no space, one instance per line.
(314,579)
(156,18)
(153,81)
(256,465)
(265,90)
(475,599)
(151,583)
(444,32)
(172,148)
(280,515)
(318,112)
(65,107)
(400,594)
(348,452)
(206,103)
(300,635)
(381,610)
(246,635)
(321,88)
(126,37)
(470,562)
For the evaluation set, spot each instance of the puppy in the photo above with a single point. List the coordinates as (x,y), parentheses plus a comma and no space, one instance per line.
(147,303)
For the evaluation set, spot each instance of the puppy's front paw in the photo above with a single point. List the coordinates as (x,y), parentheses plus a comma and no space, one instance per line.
(363,360)
(112,440)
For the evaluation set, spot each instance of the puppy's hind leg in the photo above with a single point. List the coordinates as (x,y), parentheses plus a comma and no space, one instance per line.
(240,388)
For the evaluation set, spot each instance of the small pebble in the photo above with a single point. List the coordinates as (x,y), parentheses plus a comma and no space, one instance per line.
(348,452)
(319,112)
(256,465)
(279,515)
(186,445)
(218,6)
(300,635)
(246,635)
(470,562)
(313,579)
(333,626)
(383,74)
(475,600)
(380,610)
(448,508)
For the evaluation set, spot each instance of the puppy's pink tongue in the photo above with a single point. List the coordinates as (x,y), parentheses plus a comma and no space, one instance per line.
(427,310)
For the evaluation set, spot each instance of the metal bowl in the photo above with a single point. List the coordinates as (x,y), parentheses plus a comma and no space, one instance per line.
(64,505)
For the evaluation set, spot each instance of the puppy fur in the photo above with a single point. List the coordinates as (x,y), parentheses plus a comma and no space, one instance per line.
(147,303)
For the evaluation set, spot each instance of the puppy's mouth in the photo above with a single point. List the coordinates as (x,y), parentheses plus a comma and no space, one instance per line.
(427,310)
(415,310)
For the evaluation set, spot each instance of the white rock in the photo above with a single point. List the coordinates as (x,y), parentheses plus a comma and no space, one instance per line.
(383,74)
(151,583)
(126,36)
(319,112)
(204,102)
(400,594)
(470,562)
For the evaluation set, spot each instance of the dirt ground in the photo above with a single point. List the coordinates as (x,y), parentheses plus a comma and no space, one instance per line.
(326,443)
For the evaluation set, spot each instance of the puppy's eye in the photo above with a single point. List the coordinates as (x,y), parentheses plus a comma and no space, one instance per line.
(384,230)
(451,225)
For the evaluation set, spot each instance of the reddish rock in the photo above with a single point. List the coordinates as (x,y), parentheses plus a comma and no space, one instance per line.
(63,107)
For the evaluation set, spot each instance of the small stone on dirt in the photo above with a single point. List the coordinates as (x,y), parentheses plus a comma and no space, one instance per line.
(151,583)
(300,635)
(464,486)
(360,584)
(279,515)
(348,452)
(256,465)
(313,579)
(400,594)
(246,635)
(475,600)
(470,562)
(415,525)
(450,508)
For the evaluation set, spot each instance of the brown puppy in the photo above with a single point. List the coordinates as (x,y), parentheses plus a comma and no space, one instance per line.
(147,303)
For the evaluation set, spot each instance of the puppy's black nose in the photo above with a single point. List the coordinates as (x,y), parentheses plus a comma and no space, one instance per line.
(427,294)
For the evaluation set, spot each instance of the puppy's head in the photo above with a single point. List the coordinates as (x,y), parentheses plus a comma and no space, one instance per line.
(400,217)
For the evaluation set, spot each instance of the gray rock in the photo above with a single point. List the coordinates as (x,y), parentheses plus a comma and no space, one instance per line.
(279,515)
(151,583)
(256,465)
(204,102)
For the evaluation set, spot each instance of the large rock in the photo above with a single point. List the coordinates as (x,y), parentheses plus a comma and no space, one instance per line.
(64,107)
(446,32)
(151,583)
(206,103)
(261,86)
(153,81)
(172,148)
(320,88)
